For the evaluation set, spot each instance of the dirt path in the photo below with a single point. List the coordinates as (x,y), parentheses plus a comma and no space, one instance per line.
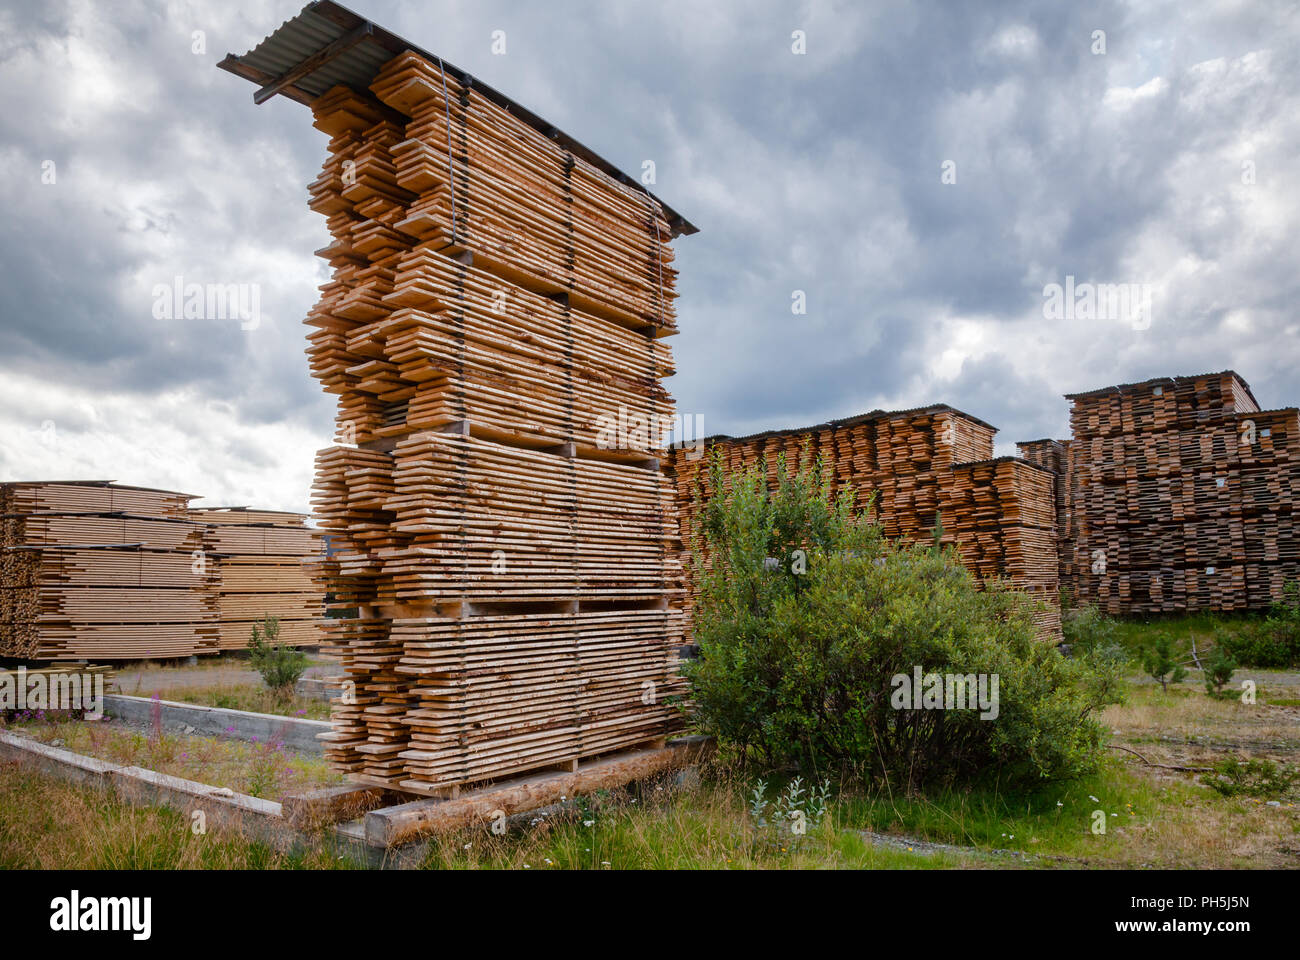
(929,848)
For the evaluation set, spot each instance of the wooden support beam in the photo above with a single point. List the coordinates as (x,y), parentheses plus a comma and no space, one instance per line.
(315,808)
(423,818)
(231,64)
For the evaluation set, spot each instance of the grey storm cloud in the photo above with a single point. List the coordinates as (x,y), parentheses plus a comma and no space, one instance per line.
(818,172)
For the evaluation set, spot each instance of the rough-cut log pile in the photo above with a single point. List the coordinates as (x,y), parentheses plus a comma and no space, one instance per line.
(1000,514)
(1180,495)
(256,559)
(492,332)
(101,572)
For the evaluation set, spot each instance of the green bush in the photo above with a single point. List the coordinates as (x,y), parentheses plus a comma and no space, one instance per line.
(1256,645)
(1087,629)
(1273,641)
(279,665)
(800,658)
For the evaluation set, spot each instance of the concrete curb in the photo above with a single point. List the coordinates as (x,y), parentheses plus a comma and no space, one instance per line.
(294,732)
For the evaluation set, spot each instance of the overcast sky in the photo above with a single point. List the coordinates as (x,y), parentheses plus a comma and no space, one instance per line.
(1169,160)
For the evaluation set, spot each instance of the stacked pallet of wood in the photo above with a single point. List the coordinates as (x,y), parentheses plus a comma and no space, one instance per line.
(921,466)
(1182,496)
(102,572)
(498,521)
(68,685)
(1054,455)
(500,694)
(256,559)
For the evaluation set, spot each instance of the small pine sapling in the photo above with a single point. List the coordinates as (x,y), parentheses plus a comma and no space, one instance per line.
(938,532)
(279,665)
(1159,662)
(1218,671)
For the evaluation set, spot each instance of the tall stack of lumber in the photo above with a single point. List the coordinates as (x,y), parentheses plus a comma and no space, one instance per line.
(1054,455)
(1183,496)
(100,571)
(257,559)
(921,466)
(492,331)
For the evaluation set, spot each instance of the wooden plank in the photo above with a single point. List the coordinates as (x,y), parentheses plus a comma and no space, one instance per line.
(110,572)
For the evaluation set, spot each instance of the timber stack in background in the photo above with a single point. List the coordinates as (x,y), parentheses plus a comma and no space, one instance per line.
(1054,455)
(102,571)
(256,560)
(1177,493)
(99,571)
(922,465)
(498,302)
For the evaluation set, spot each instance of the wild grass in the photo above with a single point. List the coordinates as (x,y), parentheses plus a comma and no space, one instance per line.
(1133,633)
(1152,818)
(249,697)
(1187,713)
(46,824)
(661,827)
(1150,821)
(258,769)
(228,681)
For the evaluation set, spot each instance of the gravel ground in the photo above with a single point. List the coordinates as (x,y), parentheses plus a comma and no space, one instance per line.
(144,680)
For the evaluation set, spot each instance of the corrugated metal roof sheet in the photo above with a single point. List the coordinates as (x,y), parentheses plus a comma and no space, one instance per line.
(361,49)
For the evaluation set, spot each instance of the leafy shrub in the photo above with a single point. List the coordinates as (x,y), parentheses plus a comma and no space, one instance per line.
(799,657)
(1158,661)
(1258,645)
(1087,629)
(1274,641)
(791,815)
(279,665)
(1252,778)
